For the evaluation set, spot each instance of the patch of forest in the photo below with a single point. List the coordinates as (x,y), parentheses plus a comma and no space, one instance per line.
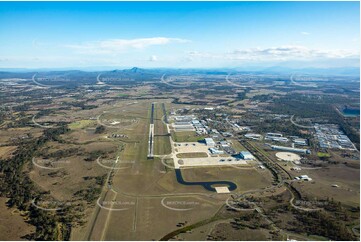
(16,185)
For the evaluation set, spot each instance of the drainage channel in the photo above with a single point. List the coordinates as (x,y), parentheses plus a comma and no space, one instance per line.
(207,185)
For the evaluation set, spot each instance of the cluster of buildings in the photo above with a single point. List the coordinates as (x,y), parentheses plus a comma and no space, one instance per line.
(280,138)
(220,147)
(183,123)
(299,141)
(190,123)
(216,142)
(253,136)
(277,137)
(227,147)
(223,146)
(291,149)
(330,136)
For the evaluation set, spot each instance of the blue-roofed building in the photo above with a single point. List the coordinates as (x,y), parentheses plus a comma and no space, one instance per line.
(245,155)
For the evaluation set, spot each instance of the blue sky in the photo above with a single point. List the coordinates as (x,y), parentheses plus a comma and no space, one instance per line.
(179,34)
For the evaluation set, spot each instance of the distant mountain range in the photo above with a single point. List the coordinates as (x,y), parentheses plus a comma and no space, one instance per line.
(350,71)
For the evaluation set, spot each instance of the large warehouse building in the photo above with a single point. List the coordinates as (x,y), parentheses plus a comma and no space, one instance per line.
(245,155)
(276,147)
(210,142)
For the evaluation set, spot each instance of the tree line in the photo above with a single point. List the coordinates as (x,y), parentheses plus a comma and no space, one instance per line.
(16,185)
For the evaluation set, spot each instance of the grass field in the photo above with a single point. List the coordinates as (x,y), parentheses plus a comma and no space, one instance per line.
(245,179)
(137,147)
(12,224)
(323,155)
(187,136)
(237,146)
(192,155)
(348,180)
(159,127)
(123,95)
(6,151)
(81,124)
(162,145)
(144,181)
(225,230)
(152,221)
(161,140)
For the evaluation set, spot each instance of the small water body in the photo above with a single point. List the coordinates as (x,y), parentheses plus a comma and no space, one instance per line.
(207,185)
(351,112)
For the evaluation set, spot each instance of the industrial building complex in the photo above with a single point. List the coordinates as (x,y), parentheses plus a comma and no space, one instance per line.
(330,136)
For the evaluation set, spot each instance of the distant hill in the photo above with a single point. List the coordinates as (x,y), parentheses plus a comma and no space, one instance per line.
(347,71)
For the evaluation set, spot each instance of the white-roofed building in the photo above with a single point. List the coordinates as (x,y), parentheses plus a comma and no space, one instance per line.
(246,155)
(210,142)
(215,151)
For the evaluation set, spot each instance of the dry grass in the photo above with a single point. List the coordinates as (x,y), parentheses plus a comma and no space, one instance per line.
(6,151)
(12,224)
(192,155)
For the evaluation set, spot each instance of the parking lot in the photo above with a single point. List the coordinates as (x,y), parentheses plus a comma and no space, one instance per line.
(210,161)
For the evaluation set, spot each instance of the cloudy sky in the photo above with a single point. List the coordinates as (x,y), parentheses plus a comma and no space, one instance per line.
(179,34)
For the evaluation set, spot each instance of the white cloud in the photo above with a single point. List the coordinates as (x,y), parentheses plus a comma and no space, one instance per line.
(281,53)
(305,33)
(153,58)
(113,46)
